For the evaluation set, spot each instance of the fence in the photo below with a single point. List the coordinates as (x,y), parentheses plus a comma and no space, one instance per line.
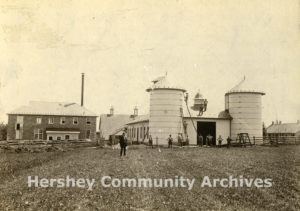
(36,145)
(276,140)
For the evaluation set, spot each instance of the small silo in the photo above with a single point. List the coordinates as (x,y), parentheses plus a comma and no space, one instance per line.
(244,104)
(166,112)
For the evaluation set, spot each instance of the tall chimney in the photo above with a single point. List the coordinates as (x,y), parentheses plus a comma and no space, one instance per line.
(82,88)
(111,113)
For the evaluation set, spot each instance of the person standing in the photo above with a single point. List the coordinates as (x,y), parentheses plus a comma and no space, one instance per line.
(180,141)
(150,141)
(209,139)
(170,140)
(220,140)
(228,142)
(200,140)
(123,144)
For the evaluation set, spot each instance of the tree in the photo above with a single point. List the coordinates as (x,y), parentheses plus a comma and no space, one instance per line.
(264,129)
(3,131)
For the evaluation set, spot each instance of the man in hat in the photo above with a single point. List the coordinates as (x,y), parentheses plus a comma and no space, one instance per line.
(123,144)
(170,141)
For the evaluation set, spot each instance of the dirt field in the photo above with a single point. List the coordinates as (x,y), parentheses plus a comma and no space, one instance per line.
(282,164)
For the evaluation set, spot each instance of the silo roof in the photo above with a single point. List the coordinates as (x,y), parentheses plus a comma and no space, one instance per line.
(164,83)
(245,86)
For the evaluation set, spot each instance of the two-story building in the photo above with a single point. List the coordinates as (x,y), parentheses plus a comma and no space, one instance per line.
(51,121)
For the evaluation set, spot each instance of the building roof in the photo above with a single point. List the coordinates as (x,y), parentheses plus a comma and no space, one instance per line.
(141,118)
(109,124)
(53,108)
(163,82)
(224,114)
(284,128)
(245,86)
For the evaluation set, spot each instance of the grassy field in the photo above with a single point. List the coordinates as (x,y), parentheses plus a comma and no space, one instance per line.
(282,164)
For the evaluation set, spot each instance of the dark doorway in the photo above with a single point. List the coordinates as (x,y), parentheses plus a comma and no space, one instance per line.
(205,128)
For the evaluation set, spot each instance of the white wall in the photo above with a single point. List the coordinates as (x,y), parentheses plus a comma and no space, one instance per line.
(165,114)
(222,128)
(73,136)
(137,125)
(246,111)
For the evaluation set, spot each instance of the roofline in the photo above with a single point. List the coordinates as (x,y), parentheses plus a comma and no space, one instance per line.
(244,92)
(51,115)
(186,117)
(283,132)
(130,123)
(165,88)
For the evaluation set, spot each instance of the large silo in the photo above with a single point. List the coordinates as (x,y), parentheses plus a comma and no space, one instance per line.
(166,110)
(245,107)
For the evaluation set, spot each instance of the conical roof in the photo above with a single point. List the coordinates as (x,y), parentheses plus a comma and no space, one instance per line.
(164,83)
(245,86)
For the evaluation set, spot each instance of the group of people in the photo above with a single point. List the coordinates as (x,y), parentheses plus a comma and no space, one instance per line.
(181,141)
(209,140)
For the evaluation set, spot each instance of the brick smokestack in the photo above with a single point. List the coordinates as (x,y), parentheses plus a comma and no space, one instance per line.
(82,88)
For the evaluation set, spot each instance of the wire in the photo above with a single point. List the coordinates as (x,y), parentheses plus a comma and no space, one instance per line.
(191,116)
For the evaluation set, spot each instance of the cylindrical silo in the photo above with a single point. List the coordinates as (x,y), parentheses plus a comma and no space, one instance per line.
(245,107)
(165,117)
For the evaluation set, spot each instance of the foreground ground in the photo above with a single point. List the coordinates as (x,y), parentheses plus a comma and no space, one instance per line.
(282,164)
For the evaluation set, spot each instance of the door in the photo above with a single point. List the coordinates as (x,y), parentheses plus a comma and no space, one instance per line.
(206,128)
(19,127)
(137,135)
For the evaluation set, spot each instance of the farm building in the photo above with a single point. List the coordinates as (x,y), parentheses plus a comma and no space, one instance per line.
(110,124)
(279,129)
(51,121)
(168,116)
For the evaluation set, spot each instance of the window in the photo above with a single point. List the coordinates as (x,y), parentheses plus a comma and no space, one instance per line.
(18,126)
(58,138)
(88,134)
(75,121)
(88,121)
(38,134)
(67,137)
(51,120)
(141,133)
(62,120)
(38,120)
(50,138)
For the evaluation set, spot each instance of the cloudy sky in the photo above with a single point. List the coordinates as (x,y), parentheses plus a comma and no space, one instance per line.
(121,45)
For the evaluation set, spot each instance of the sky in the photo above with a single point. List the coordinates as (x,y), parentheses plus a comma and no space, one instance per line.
(122,45)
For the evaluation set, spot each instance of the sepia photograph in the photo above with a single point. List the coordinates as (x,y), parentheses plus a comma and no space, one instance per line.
(150,105)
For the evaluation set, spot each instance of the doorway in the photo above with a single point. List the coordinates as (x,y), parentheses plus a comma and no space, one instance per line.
(19,127)
(205,128)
